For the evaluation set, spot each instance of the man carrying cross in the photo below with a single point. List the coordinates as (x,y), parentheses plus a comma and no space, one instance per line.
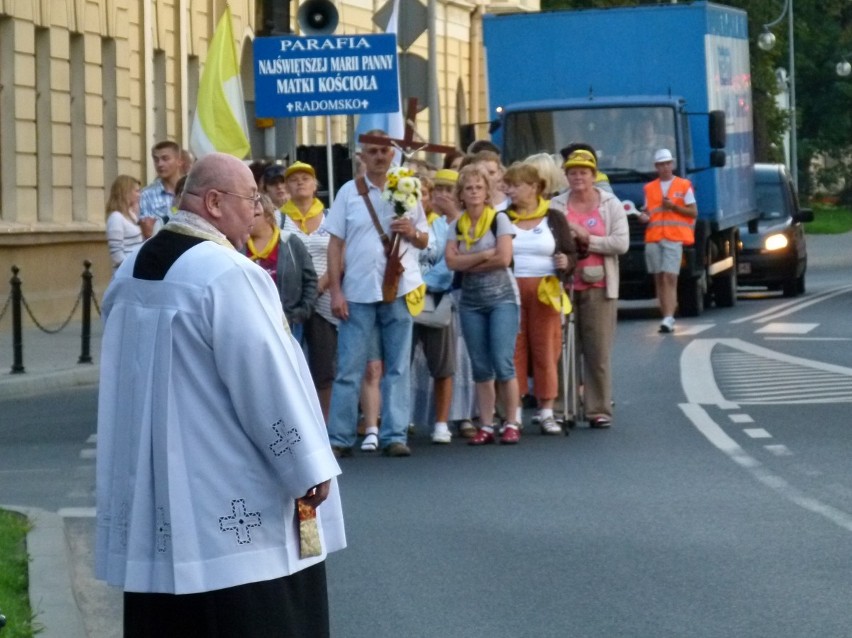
(355,221)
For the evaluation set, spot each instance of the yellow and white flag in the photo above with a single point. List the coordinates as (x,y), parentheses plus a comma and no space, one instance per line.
(220,116)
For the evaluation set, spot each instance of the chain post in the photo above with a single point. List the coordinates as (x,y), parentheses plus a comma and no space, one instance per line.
(17,330)
(86,336)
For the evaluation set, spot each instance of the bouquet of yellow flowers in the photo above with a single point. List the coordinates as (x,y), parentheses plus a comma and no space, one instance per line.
(402,189)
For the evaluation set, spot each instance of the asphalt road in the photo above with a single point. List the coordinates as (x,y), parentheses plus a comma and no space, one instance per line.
(719,504)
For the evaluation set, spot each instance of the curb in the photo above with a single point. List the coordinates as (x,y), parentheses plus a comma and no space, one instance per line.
(15,386)
(50,587)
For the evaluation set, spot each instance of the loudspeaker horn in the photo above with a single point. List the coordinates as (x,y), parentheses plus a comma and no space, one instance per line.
(317,17)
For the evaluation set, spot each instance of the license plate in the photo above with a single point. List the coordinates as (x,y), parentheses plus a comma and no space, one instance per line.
(744,268)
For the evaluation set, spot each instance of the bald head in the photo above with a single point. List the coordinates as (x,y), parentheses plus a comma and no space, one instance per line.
(220,189)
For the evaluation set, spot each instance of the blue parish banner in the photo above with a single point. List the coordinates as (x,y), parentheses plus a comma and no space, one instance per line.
(297,76)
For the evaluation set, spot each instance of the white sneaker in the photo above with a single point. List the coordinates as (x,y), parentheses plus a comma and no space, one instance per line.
(370,443)
(441,434)
(667,324)
(550,426)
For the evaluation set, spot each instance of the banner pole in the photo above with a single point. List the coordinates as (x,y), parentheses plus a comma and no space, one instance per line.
(329,160)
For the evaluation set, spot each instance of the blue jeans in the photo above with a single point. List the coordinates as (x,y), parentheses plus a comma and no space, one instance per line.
(394,325)
(490,335)
(298,332)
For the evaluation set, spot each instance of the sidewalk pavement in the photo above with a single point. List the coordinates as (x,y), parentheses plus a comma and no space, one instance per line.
(50,360)
(63,593)
(61,585)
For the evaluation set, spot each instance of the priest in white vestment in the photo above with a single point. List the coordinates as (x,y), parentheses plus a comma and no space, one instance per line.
(209,430)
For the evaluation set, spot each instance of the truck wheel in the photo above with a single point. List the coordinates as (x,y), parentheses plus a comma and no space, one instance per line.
(690,297)
(725,289)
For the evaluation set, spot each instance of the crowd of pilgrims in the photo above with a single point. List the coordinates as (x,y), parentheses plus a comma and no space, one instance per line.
(511,252)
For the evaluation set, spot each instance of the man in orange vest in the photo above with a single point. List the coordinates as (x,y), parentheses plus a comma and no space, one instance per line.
(670,213)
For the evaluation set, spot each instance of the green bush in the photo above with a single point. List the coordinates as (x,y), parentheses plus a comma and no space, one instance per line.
(829,220)
(14,578)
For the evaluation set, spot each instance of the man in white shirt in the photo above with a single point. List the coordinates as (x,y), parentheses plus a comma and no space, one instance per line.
(200,466)
(356,299)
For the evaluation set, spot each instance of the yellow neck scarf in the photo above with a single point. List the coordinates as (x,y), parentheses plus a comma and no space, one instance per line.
(540,211)
(431,217)
(482,225)
(292,211)
(273,242)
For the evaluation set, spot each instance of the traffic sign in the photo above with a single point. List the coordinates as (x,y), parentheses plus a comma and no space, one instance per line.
(298,76)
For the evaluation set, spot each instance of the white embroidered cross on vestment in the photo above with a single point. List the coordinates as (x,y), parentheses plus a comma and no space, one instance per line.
(164,532)
(285,440)
(240,521)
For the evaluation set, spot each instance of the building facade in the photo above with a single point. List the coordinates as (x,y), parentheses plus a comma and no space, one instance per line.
(88,86)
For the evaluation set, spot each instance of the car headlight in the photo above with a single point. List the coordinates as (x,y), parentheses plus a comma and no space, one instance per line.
(777,241)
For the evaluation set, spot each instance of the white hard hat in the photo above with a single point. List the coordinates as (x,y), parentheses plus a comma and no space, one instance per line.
(663,155)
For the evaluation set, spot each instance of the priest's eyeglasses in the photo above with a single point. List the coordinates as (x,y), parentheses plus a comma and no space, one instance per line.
(255,199)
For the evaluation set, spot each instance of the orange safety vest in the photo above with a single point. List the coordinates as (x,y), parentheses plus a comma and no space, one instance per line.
(668,224)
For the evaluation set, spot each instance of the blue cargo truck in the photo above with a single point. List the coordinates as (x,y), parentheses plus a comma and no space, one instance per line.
(629,81)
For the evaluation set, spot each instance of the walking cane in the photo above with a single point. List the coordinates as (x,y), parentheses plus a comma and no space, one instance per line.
(572,403)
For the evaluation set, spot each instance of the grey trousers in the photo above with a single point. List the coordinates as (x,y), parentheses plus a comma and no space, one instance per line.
(596,317)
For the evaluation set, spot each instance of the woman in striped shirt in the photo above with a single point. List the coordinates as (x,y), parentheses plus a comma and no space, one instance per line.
(304,216)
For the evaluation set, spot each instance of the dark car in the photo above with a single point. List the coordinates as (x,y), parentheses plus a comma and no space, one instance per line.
(775,256)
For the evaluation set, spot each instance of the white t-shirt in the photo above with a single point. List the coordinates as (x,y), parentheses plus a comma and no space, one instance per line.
(688,199)
(532,250)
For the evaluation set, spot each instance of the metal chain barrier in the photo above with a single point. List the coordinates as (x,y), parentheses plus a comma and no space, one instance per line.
(7,304)
(64,323)
(94,301)
(17,301)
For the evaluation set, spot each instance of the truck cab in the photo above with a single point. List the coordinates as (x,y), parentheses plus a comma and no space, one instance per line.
(625,133)
(630,81)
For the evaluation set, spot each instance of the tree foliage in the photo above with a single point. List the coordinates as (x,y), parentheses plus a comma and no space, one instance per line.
(823,33)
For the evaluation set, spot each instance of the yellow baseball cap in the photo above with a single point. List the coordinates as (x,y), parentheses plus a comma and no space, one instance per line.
(446,176)
(296,167)
(581,159)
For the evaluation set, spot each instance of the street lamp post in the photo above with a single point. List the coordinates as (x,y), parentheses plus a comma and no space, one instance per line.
(766,40)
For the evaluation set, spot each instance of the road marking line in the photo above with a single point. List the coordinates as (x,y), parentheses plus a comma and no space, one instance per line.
(696,375)
(700,347)
(787,328)
(746,373)
(693,329)
(808,338)
(740,418)
(93,438)
(758,433)
(713,433)
(88,454)
(790,307)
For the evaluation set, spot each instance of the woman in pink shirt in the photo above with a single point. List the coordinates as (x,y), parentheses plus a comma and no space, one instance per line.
(599,225)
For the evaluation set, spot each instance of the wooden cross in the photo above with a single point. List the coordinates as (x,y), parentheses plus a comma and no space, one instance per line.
(408,145)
